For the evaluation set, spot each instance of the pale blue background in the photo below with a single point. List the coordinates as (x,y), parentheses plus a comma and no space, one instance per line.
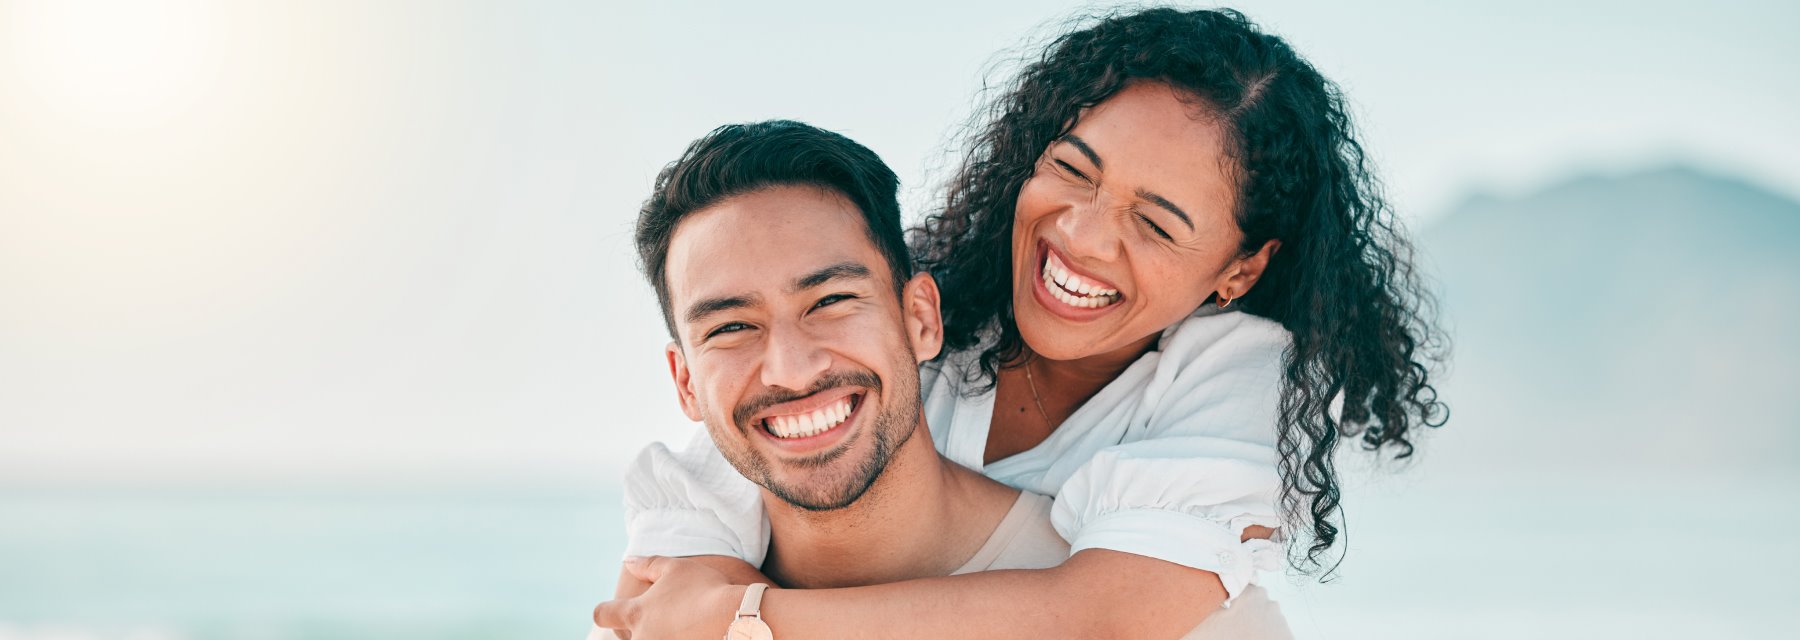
(319,320)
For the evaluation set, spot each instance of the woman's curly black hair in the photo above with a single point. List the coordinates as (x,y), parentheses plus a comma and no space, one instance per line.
(1343,283)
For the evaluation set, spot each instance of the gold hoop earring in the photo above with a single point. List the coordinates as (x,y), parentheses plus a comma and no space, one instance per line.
(1224,300)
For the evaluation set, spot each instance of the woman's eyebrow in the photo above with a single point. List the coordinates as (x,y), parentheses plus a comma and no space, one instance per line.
(1082,146)
(1164,203)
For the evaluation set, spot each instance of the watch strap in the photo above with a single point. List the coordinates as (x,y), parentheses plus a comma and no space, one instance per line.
(752,604)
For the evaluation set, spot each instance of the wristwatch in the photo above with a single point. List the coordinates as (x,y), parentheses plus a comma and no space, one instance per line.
(748,625)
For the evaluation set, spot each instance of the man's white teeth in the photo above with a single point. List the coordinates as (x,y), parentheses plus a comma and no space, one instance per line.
(813,423)
(1075,290)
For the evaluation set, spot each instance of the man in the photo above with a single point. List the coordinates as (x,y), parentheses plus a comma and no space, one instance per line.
(778,259)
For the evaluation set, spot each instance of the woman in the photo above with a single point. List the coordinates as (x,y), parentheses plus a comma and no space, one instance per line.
(1170,290)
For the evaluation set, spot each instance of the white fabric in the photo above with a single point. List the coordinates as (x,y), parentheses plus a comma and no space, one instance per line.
(1172,460)
(1023,540)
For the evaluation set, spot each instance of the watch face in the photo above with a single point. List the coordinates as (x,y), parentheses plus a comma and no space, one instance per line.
(748,628)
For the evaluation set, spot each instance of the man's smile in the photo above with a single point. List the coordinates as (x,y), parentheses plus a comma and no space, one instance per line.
(814,422)
(811,423)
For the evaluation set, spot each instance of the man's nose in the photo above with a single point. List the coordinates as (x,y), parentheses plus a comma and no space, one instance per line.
(792,359)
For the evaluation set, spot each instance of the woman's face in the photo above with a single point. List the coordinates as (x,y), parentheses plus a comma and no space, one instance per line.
(1126,226)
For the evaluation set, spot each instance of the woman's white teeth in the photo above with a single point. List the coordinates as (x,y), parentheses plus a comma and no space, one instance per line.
(1075,290)
(812,423)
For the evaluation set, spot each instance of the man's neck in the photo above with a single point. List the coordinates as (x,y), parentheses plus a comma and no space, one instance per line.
(923,516)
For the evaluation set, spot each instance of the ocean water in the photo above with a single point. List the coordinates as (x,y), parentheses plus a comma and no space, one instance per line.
(286,565)
(1596,556)
(1531,554)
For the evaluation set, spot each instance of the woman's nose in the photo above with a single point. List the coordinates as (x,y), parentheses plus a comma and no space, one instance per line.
(1089,229)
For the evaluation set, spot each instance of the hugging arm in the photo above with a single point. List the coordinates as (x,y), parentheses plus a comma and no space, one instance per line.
(1099,592)
(631,587)
(1095,594)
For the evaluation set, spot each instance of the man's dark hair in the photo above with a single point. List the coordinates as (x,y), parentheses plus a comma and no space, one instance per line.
(741,158)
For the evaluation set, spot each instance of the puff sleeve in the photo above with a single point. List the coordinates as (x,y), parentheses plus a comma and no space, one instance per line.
(692,503)
(1184,483)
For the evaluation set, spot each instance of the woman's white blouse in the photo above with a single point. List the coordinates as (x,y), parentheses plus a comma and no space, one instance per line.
(1172,460)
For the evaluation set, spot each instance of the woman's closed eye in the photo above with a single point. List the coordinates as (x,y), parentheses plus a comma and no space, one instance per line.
(1158,230)
(1071,170)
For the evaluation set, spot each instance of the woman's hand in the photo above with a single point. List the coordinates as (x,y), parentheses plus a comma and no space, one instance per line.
(687,598)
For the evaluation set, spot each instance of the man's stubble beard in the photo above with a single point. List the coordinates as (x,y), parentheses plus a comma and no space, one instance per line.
(892,427)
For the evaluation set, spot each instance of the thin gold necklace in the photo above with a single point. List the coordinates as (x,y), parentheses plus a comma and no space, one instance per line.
(1039,401)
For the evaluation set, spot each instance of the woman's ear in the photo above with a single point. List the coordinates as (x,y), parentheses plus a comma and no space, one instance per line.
(684,382)
(919,304)
(1243,274)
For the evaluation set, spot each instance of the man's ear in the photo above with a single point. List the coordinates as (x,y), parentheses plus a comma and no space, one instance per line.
(919,303)
(1243,274)
(684,383)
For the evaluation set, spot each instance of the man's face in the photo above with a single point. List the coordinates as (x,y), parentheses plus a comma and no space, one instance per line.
(792,345)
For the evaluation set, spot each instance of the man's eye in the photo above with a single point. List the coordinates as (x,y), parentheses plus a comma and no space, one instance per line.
(831,300)
(1165,235)
(729,327)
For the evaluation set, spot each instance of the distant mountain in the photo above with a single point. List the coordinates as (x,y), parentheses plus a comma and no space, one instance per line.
(1644,319)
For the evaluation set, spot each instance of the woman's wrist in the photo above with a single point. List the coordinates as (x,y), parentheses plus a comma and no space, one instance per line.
(725,601)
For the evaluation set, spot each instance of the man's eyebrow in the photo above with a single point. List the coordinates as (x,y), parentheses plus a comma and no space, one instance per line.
(700,310)
(1082,146)
(1164,203)
(849,270)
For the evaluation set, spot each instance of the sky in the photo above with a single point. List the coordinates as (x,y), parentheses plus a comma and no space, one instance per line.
(389,242)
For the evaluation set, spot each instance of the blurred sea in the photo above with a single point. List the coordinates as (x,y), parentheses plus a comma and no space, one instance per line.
(303,565)
(1678,556)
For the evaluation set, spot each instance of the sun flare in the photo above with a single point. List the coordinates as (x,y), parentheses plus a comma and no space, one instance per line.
(109,63)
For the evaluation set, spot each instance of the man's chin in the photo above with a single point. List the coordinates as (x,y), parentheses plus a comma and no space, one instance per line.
(825,488)
(834,500)
(838,476)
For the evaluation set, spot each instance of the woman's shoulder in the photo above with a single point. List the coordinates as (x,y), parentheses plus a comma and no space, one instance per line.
(695,475)
(1219,375)
(1219,336)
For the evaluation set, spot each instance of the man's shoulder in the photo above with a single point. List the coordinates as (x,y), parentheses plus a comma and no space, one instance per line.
(1025,539)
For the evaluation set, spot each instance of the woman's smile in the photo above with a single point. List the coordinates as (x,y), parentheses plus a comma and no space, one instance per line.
(1070,293)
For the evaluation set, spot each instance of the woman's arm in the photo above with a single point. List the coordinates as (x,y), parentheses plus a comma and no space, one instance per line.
(1095,594)
(735,571)
(692,503)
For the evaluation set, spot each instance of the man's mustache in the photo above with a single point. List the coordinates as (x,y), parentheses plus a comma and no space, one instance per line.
(831,380)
